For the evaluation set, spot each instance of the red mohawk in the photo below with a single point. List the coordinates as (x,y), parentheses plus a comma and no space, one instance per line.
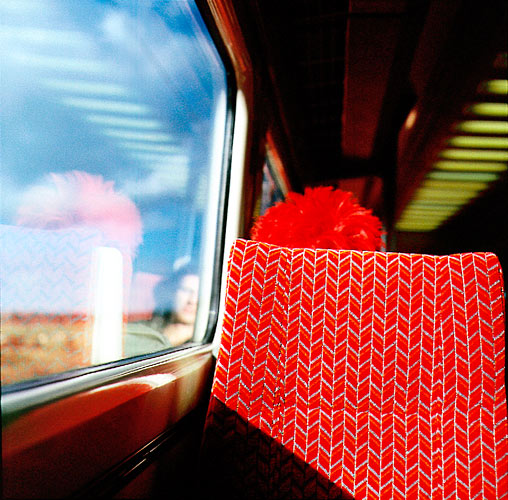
(320,218)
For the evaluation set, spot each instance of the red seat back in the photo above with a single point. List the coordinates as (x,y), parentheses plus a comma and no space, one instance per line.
(378,374)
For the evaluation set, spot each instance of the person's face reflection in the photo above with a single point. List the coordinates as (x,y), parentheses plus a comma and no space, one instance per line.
(187,299)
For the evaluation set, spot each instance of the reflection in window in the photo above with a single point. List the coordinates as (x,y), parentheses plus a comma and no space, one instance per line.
(113,122)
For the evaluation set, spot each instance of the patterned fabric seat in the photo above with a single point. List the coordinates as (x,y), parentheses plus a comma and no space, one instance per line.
(348,374)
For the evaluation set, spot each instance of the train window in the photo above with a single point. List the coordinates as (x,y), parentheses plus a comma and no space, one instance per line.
(271,192)
(113,133)
(275,184)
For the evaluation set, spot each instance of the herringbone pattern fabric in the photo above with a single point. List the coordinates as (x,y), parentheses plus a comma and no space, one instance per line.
(383,372)
(45,300)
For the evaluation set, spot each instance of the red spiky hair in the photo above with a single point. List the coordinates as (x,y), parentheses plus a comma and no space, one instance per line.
(322,217)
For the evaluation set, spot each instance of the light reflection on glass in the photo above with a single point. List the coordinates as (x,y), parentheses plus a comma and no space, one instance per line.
(116,121)
(152,148)
(138,136)
(158,158)
(85,87)
(42,37)
(106,105)
(61,64)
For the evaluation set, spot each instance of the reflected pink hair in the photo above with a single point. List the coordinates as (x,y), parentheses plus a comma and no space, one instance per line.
(77,199)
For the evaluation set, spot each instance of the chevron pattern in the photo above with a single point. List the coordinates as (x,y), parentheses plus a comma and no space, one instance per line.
(46,271)
(383,372)
(45,311)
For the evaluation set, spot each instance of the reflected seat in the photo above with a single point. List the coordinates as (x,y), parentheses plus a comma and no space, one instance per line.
(348,374)
(45,286)
(55,300)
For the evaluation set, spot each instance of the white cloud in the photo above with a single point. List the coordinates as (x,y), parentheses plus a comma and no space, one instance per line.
(165,178)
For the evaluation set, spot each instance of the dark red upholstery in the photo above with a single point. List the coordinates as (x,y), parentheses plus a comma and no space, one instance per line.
(380,375)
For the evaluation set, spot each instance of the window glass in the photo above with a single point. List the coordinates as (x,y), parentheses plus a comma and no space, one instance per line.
(271,193)
(113,122)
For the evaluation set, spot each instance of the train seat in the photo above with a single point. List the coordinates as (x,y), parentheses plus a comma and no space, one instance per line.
(348,374)
(56,309)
